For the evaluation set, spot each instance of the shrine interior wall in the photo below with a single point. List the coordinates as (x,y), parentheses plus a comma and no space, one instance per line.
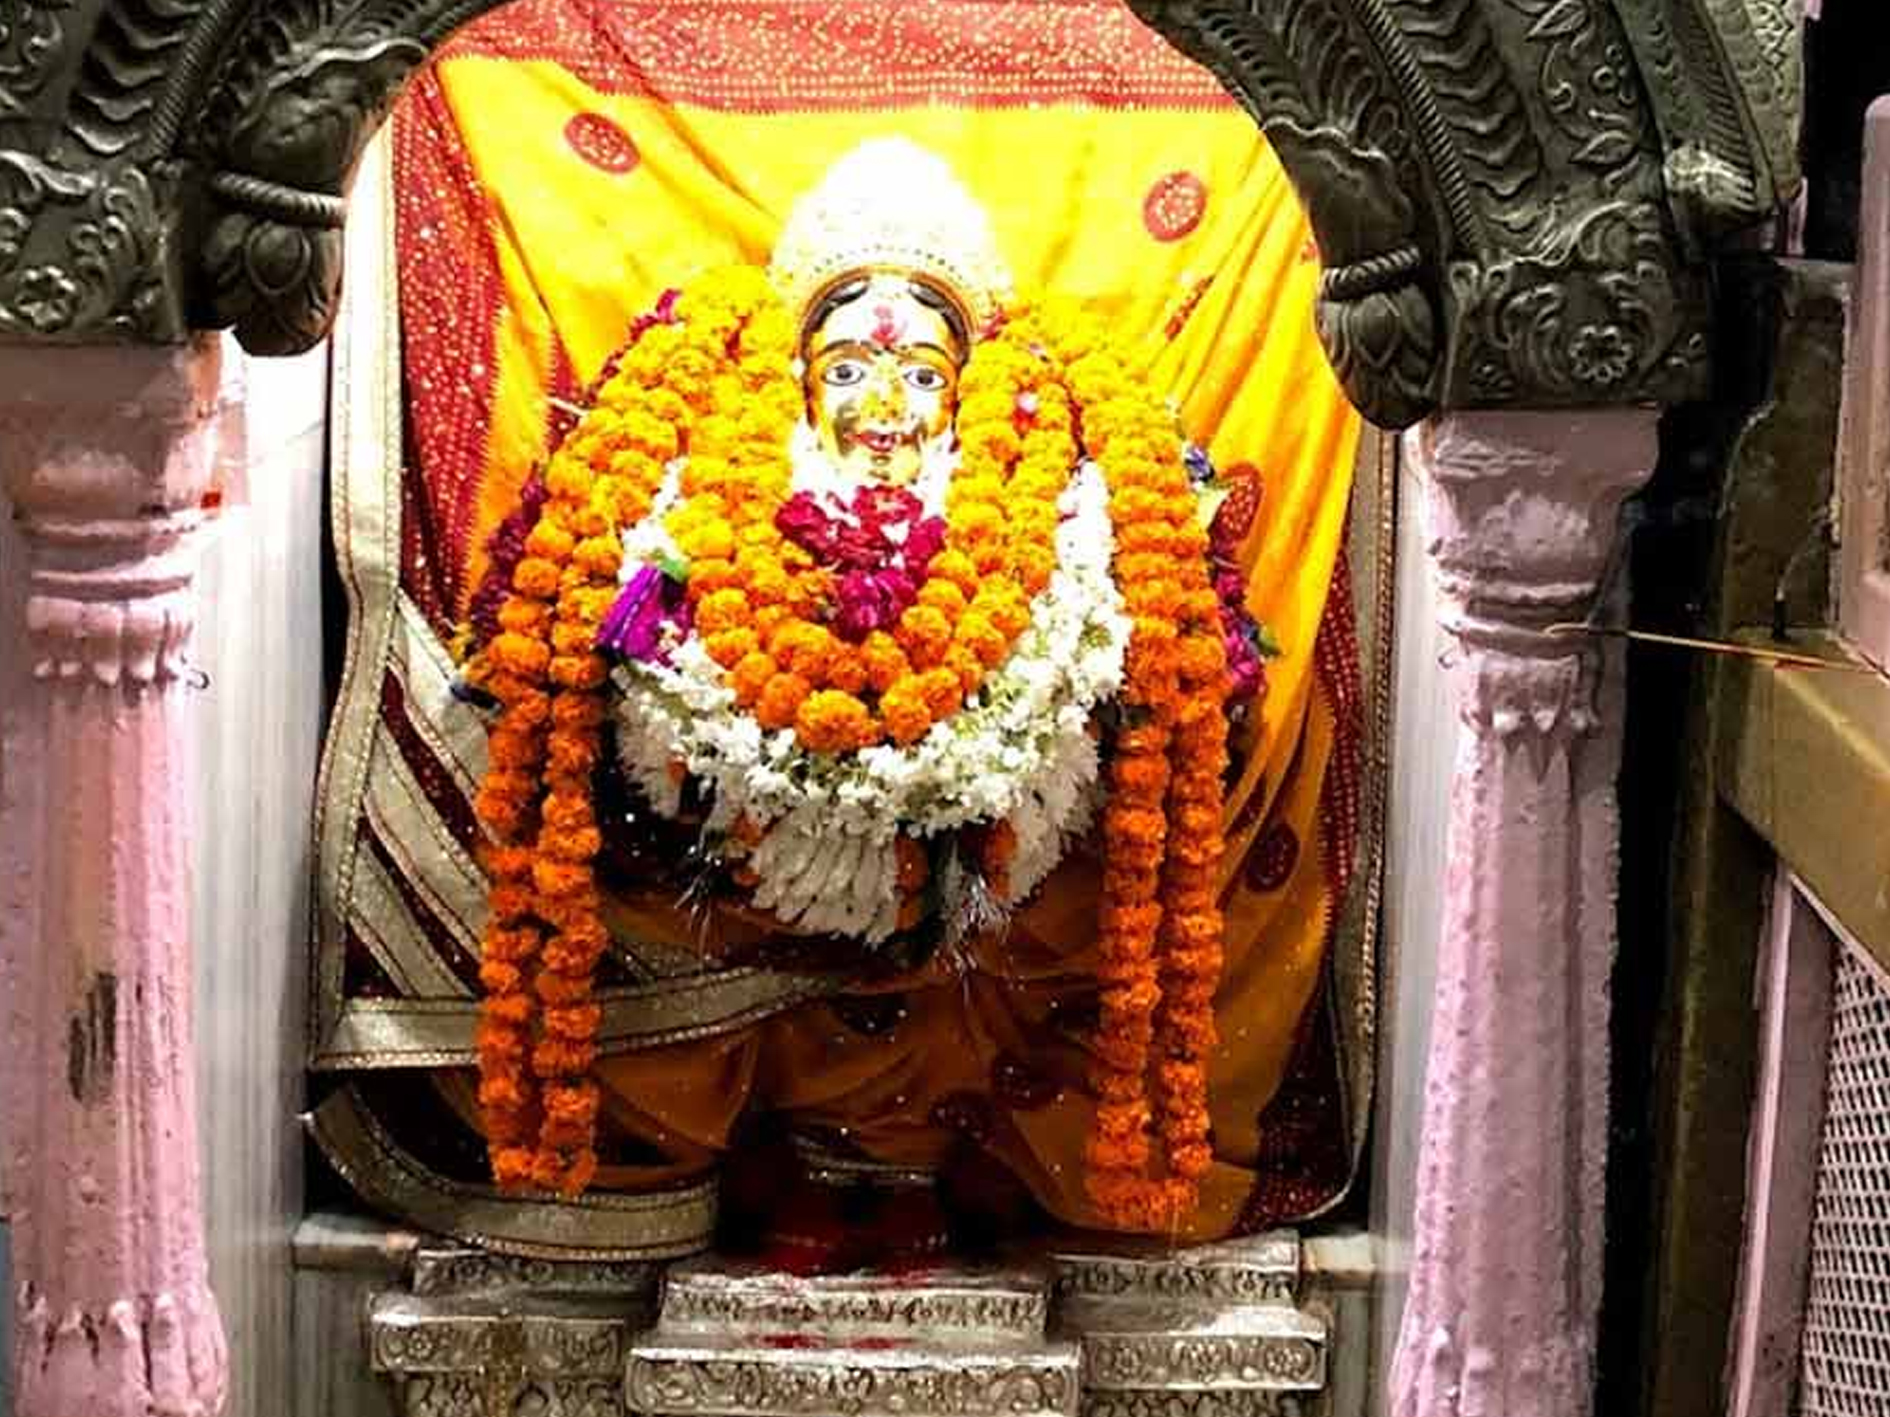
(1423,741)
(260,643)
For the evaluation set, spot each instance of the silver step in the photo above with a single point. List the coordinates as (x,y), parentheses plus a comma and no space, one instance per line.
(910,1378)
(950,1342)
(1129,1331)
(989,1307)
(1196,1333)
(1261,1269)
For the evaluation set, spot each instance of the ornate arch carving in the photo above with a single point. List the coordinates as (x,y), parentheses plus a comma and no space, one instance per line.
(1512,196)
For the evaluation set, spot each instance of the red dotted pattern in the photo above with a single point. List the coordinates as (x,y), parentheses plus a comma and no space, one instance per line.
(1304,1162)
(1174,206)
(450,297)
(776,56)
(1337,664)
(602,143)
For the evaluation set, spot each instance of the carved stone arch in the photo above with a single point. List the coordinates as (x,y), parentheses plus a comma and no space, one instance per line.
(1511,196)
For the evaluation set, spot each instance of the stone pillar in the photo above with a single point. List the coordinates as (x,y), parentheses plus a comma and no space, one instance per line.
(105,455)
(1521,511)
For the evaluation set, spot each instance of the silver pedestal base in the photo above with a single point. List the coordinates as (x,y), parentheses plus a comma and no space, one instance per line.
(1218,1331)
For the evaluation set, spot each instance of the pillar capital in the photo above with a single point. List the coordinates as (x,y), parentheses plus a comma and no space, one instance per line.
(1521,513)
(106,456)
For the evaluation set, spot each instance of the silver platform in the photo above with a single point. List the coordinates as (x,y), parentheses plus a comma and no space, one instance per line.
(1217,1330)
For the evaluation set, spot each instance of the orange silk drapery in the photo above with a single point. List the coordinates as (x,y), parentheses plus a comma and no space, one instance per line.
(567,160)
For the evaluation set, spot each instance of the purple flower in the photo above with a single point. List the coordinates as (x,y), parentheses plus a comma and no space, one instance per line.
(663,314)
(1246,669)
(803,521)
(869,601)
(923,542)
(506,548)
(880,506)
(648,616)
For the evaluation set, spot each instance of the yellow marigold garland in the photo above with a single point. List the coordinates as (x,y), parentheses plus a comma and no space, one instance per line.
(720,386)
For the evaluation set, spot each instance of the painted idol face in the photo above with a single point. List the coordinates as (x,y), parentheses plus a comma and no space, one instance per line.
(883,357)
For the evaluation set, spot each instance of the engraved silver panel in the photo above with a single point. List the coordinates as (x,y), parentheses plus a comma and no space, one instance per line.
(986,1307)
(460,1269)
(894,1381)
(1206,1361)
(1197,1404)
(1256,1270)
(1221,1320)
(471,1395)
(540,1334)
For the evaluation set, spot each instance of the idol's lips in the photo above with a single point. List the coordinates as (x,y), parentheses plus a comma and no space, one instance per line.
(878,440)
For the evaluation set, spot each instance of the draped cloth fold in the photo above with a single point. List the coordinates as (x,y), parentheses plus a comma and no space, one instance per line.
(562,164)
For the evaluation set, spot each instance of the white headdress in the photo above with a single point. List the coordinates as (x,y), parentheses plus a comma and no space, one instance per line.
(889,205)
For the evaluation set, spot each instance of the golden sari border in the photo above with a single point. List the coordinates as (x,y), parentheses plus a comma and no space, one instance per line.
(386,926)
(1353,974)
(598,1226)
(434,863)
(453,733)
(420,1033)
(365,423)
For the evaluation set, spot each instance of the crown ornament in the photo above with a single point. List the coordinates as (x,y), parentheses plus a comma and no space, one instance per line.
(890,205)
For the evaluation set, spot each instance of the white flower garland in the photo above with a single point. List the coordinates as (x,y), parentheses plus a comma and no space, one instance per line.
(1019,751)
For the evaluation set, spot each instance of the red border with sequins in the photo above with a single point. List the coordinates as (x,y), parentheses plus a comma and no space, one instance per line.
(783,56)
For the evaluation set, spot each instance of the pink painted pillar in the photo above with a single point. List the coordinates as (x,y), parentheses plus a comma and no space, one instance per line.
(105,456)
(1520,517)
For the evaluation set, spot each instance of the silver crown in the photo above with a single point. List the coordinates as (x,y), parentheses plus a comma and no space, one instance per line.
(890,205)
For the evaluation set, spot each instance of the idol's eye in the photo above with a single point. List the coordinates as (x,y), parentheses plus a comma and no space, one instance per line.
(844,374)
(924,378)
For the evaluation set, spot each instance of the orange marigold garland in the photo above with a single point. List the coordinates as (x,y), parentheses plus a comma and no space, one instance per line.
(1160,924)
(718,385)
(538,1027)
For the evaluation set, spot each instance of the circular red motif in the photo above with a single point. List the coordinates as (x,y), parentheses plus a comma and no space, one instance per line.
(1174,206)
(601,143)
(1273,857)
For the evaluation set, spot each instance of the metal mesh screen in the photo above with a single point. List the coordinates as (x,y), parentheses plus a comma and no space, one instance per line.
(1846,1350)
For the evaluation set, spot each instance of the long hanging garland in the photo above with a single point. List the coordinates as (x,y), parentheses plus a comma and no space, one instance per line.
(713,383)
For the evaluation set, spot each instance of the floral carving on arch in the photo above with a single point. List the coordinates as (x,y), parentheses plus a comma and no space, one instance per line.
(1513,198)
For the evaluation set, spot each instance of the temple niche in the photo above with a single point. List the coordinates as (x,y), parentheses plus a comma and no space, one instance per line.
(950,846)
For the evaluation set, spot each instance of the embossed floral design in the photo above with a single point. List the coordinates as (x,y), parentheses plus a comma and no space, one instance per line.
(44,298)
(14,225)
(1601,355)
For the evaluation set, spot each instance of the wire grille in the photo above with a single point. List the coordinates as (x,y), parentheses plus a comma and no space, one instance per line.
(1846,1348)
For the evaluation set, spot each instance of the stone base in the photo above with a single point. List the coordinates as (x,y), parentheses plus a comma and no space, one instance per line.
(1216,1330)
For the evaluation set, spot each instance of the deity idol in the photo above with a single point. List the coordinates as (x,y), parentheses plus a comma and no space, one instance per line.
(889,593)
